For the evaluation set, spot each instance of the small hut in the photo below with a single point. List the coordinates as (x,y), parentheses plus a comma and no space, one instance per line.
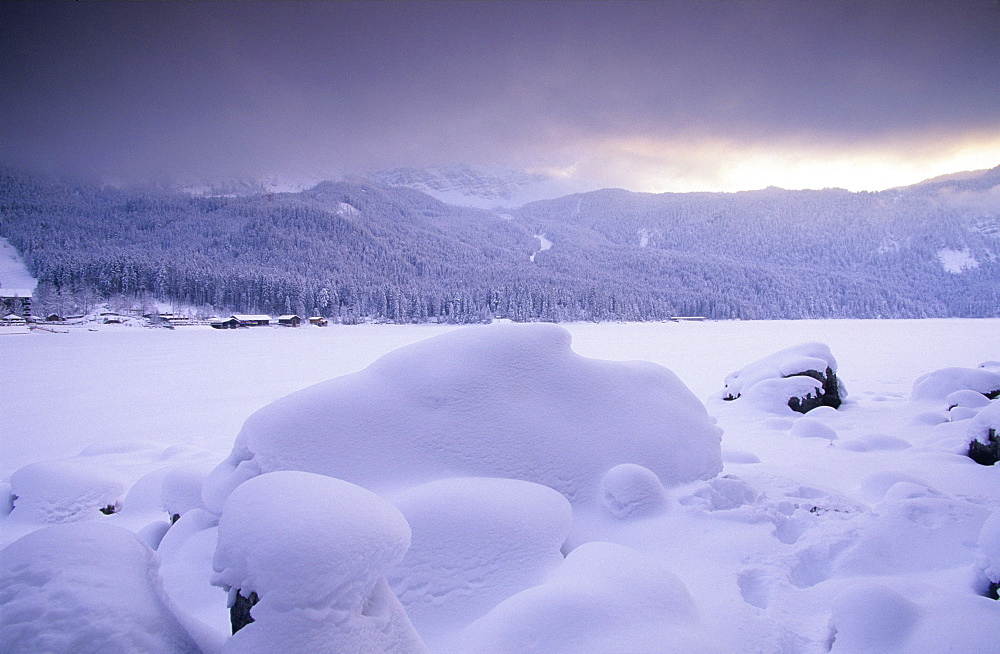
(319,321)
(289,321)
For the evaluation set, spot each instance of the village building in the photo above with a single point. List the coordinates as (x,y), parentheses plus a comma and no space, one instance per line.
(252,320)
(289,320)
(16,301)
(230,323)
(13,320)
(319,321)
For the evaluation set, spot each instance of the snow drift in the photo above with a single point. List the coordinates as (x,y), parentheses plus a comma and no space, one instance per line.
(500,400)
(88,587)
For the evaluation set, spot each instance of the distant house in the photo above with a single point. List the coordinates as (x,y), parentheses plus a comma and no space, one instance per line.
(289,320)
(688,318)
(53,317)
(319,321)
(16,301)
(219,323)
(12,319)
(250,320)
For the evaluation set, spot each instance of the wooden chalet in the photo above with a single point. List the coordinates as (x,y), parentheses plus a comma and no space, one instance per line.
(219,323)
(289,321)
(251,320)
(319,321)
(13,320)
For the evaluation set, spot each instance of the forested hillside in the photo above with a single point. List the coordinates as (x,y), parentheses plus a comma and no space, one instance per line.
(359,250)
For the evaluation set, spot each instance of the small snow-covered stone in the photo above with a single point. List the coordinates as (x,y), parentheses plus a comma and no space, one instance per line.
(809,428)
(631,491)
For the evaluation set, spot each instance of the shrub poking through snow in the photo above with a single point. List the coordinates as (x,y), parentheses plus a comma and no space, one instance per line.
(499,400)
(315,551)
(86,587)
(802,377)
(984,447)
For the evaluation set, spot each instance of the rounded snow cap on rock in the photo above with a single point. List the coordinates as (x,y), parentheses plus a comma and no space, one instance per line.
(500,400)
(631,491)
(64,491)
(303,540)
(868,617)
(798,378)
(939,384)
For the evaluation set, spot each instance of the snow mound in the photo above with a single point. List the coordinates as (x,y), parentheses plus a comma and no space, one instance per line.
(868,617)
(501,400)
(603,598)
(476,541)
(801,377)
(810,428)
(989,548)
(723,493)
(315,551)
(631,491)
(64,491)
(937,386)
(181,488)
(85,587)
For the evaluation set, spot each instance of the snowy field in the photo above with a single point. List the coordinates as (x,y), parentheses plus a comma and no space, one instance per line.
(500,493)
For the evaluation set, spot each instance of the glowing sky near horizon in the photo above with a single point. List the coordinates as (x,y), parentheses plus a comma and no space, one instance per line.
(706,95)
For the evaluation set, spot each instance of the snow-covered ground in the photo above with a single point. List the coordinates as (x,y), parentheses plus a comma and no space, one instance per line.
(856,529)
(13,273)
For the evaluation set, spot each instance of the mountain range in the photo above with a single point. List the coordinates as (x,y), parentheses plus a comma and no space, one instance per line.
(385,248)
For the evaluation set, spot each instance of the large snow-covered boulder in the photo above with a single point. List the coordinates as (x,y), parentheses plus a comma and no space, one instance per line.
(89,587)
(499,400)
(801,378)
(936,386)
(315,551)
(476,541)
(604,598)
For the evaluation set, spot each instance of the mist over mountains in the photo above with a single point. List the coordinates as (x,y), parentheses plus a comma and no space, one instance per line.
(377,249)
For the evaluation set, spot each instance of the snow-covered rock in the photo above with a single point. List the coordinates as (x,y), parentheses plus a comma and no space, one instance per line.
(984,446)
(64,491)
(476,541)
(500,400)
(603,598)
(938,385)
(869,617)
(89,587)
(802,377)
(315,550)
(631,491)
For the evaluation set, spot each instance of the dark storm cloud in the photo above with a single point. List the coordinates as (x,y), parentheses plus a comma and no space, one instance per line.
(141,89)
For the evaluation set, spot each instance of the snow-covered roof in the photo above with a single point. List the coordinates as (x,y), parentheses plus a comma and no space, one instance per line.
(288,317)
(245,317)
(15,292)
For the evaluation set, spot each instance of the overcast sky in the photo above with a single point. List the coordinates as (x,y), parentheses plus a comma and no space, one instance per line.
(649,96)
